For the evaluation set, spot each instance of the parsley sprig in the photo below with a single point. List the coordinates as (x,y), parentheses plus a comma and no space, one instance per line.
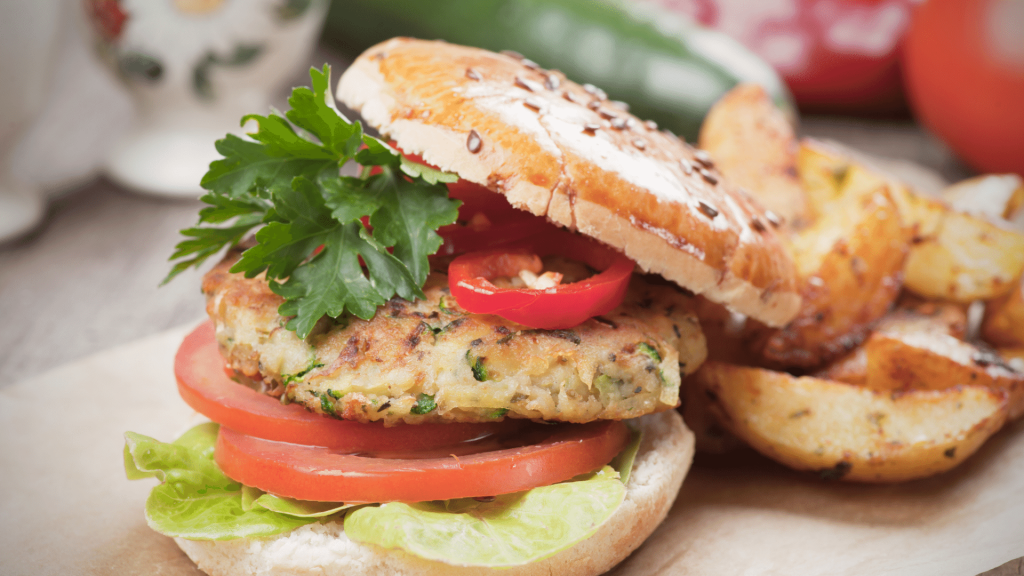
(287,182)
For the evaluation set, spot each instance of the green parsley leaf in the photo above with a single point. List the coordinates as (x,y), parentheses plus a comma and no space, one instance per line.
(311,235)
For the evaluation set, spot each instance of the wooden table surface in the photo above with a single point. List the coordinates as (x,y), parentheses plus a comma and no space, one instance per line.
(89,277)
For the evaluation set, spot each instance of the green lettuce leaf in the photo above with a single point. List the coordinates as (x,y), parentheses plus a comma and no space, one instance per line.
(299,508)
(624,461)
(512,530)
(195,500)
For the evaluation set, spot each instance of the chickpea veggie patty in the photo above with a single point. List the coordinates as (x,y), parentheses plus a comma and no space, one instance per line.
(429,361)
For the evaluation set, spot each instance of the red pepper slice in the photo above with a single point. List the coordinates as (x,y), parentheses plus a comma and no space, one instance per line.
(560,307)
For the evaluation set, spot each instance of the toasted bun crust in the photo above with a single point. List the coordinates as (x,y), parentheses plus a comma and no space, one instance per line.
(324,550)
(563,151)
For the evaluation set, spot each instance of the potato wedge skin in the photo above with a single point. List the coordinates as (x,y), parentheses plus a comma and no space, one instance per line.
(754,146)
(850,262)
(848,432)
(910,315)
(933,361)
(966,258)
(1003,324)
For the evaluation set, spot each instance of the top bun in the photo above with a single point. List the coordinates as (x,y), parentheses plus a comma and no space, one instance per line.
(561,150)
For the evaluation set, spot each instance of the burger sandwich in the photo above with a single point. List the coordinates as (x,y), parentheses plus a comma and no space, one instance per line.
(465,356)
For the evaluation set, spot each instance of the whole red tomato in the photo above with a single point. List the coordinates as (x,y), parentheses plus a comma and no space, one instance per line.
(964,70)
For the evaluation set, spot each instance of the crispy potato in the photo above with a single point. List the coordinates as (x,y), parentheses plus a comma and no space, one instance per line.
(848,432)
(1003,323)
(753,145)
(911,315)
(822,170)
(923,360)
(711,437)
(993,196)
(726,332)
(850,263)
(966,258)
(851,368)
(954,255)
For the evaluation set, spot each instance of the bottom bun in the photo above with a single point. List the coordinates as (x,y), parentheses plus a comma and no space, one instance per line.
(324,549)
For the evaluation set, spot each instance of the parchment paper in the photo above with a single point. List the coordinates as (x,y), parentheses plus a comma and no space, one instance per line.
(66,508)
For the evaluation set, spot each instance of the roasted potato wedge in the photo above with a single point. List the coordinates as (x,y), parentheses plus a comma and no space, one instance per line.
(822,170)
(910,315)
(753,145)
(710,436)
(924,360)
(1003,323)
(849,432)
(966,257)
(993,196)
(850,263)
(851,368)
(954,255)
(726,332)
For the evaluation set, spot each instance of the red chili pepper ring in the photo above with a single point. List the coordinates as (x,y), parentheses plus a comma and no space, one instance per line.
(559,307)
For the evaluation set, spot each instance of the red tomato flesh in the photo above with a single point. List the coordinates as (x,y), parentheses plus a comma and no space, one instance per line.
(544,456)
(563,306)
(204,385)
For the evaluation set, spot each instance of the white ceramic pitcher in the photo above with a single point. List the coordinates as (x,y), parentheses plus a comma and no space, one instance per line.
(194,68)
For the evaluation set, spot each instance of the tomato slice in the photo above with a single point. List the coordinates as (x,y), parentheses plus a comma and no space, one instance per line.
(563,306)
(312,473)
(205,387)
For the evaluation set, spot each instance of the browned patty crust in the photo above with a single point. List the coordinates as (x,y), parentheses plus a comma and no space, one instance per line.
(430,361)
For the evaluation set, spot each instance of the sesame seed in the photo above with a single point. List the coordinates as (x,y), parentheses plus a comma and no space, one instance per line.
(527,84)
(552,82)
(570,97)
(594,104)
(591,129)
(618,123)
(708,210)
(513,54)
(532,104)
(473,142)
(607,115)
(530,64)
(472,74)
(707,175)
(687,167)
(756,224)
(704,158)
(640,143)
(650,124)
(620,105)
(772,218)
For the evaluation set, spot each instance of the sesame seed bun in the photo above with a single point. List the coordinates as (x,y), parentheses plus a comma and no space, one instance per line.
(561,150)
(323,549)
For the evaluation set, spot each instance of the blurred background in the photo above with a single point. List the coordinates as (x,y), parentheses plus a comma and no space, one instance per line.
(110,109)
